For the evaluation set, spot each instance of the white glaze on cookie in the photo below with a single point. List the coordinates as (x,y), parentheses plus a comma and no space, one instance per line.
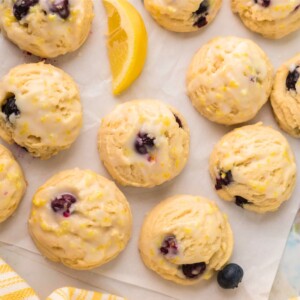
(286,100)
(229,79)
(262,167)
(50,111)
(12,184)
(118,134)
(202,234)
(44,33)
(181,15)
(275,19)
(97,229)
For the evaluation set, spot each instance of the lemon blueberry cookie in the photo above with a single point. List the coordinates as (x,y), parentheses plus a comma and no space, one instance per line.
(12,184)
(285,96)
(271,18)
(229,80)
(186,239)
(183,15)
(80,219)
(143,143)
(254,167)
(40,109)
(46,28)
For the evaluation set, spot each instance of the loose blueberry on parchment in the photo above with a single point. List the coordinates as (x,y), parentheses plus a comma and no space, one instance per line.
(230,276)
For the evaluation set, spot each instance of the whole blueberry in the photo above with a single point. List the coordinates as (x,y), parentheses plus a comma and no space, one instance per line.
(240,201)
(143,143)
(63,204)
(60,7)
(169,245)
(203,8)
(21,8)
(230,276)
(10,107)
(178,121)
(193,270)
(292,79)
(263,3)
(224,179)
(201,22)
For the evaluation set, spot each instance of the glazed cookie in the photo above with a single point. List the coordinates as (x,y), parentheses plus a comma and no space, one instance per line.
(12,184)
(80,219)
(40,109)
(183,15)
(254,167)
(46,28)
(285,97)
(271,18)
(229,80)
(185,239)
(143,143)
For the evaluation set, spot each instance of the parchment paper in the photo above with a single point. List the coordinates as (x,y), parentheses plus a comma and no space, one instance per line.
(259,239)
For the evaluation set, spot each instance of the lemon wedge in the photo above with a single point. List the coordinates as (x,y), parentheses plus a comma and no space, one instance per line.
(127,43)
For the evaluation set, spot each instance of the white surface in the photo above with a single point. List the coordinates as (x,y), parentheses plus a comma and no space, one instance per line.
(44,280)
(259,240)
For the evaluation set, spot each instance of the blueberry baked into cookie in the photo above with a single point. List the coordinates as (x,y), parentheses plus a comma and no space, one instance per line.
(40,109)
(229,79)
(183,15)
(285,97)
(186,239)
(80,219)
(12,184)
(271,18)
(143,143)
(46,28)
(254,167)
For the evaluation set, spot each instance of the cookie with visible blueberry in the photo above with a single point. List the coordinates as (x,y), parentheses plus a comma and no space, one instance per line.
(285,96)
(80,219)
(183,16)
(273,19)
(254,167)
(46,28)
(12,184)
(186,239)
(40,109)
(143,143)
(229,79)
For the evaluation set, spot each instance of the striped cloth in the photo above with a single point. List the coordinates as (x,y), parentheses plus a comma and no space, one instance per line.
(12,286)
(69,293)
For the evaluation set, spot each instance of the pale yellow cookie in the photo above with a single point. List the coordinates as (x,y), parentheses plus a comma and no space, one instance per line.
(254,167)
(80,219)
(40,109)
(273,19)
(285,97)
(229,80)
(12,184)
(185,239)
(143,143)
(183,15)
(46,28)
